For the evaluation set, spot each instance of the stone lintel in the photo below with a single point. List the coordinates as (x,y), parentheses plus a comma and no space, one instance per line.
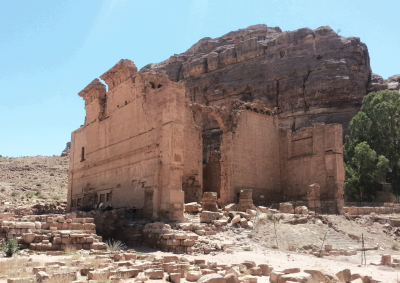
(121,71)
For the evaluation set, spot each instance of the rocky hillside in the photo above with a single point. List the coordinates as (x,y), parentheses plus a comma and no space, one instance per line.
(308,75)
(33,180)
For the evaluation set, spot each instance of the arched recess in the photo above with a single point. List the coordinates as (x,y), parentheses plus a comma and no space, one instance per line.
(215,150)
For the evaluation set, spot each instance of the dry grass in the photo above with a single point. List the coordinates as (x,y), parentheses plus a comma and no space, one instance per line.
(246,272)
(16,267)
(94,263)
(71,251)
(60,278)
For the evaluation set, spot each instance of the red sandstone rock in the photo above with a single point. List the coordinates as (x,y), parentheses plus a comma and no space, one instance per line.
(310,75)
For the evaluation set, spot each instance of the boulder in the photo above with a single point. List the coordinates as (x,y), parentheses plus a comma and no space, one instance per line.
(28,237)
(154,273)
(212,278)
(243,222)
(231,278)
(208,216)
(193,275)
(42,276)
(192,207)
(320,274)
(286,207)
(175,277)
(256,271)
(235,219)
(265,269)
(301,210)
(300,277)
(344,275)
(230,207)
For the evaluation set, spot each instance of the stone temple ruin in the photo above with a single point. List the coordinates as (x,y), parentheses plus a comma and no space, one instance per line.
(146,144)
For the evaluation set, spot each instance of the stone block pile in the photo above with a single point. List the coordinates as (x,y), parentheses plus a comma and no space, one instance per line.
(388,208)
(117,266)
(387,260)
(51,232)
(329,250)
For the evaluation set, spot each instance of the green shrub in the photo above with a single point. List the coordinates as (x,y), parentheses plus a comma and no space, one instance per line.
(38,184)
(9,247)
(115,246)
(270,216)
(14,194)
(38,194)
(52,174)
(3,189)
(29,194)
(56,197)
(139,255)
(395,246)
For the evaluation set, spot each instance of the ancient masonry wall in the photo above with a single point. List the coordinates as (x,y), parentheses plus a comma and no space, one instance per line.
(51,232)
(313,155)
(255,157)
(192,179)
(130,152)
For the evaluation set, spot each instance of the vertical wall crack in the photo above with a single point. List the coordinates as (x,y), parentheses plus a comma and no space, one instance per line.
(304,91)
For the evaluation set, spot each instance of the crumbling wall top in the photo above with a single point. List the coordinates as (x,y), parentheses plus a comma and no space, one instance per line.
(121,71)
(94,90)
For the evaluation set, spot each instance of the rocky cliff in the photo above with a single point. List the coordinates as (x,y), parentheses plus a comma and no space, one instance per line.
(308,75)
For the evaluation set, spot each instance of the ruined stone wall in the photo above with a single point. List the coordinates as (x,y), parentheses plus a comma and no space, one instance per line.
(132,154)
(192,179)
(312,155)
(255,156)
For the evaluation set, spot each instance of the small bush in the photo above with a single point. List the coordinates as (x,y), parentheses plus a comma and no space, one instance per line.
(395,246)
(56,197)
(247,249)
(115,246)
(139,255)
(34,178)
(9,247)
(245,273)
(38,185)
(29,194)
(52,174)
(3,189)
(14,194)
(70,251)
(38,194)
(270,216)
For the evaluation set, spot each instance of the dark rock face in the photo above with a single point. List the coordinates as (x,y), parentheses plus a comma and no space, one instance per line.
(377,83)
(308,75)
(67,150)
(393,83)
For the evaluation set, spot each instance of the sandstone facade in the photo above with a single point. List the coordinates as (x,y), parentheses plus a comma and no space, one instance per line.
(138,143)
(144,144)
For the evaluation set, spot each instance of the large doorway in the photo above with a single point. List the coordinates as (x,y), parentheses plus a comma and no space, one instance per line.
(212,139)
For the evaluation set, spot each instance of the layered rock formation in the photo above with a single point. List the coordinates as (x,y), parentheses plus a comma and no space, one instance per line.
(308,75)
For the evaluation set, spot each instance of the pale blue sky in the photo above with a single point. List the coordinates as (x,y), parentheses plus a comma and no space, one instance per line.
(51,49)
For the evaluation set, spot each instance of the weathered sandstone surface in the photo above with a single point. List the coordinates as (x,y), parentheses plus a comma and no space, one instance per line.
(308,75)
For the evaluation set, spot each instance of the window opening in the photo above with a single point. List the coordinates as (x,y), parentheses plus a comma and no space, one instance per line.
(83,154)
